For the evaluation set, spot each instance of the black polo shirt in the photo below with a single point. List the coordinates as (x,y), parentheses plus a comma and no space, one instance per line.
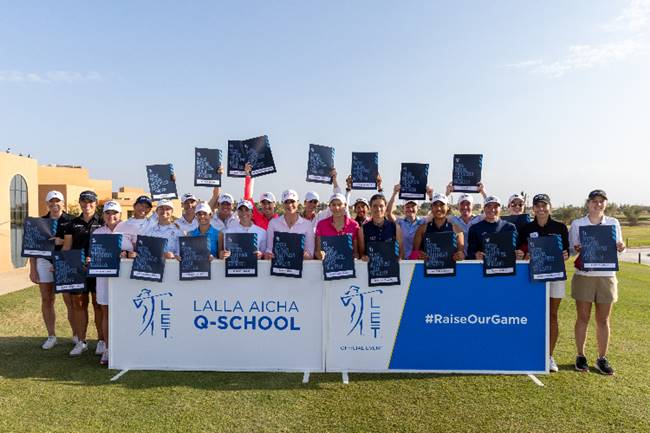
(81,230)
(61,225)
(552,227)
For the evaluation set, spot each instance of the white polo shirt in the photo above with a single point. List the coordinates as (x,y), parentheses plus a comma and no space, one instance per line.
(220,225)
(574,239)
(185,225)
(236,227)
(302,226)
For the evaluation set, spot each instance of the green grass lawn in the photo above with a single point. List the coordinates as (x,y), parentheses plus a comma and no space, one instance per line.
(637,236)
(49,392)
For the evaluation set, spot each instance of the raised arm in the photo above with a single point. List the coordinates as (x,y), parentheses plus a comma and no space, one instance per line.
(390,206)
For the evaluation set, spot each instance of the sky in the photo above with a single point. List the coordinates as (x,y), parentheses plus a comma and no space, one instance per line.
(553,94)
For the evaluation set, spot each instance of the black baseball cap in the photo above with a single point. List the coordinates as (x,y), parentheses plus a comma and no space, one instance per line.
(144,199)
(597,192)
(541,198)
(88,196)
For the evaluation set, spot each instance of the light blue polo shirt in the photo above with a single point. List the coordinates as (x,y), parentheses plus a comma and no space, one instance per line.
(408,233)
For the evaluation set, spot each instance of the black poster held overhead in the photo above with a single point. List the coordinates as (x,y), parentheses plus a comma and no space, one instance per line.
(365,167)
(499,251)
(598,248)
(288,251)
(206,167)
(413,181)
(69,272)
(149,262)
(242,261)
(236,159)
(383,263)
(195,258)
(104,254)
(256,151)
(439,249)
(546,260)
(320,164)
(518,220)
(466,174)
(37,236)
(338,262)
(162,182)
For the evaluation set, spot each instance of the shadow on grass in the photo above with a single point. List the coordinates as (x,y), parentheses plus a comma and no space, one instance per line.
(23,358)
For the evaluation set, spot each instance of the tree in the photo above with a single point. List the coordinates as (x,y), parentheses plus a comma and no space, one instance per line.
(631,213)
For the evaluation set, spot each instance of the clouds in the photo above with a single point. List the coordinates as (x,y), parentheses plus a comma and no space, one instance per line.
(49,77)
(630,27)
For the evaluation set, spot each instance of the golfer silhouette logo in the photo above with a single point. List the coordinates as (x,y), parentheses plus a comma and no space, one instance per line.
(356,300)
(147,302)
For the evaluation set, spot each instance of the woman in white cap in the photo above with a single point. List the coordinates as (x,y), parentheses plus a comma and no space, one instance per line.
(338,224)
(361,206)
(379,228)
(203,216)
(267,201)
(492,223)
(40,269)
(112,225)
(312,200)
(166,228)
(187,221)
(544,225)
(224,214)
(516,209)
(594,287)
(244,225)
(410,222)
(465,204)
(290,222)
(437,224)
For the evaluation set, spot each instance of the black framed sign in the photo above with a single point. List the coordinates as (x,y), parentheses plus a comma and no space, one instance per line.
(195,258)
(242,261)
(105,251)
(383,263)
(256,151)
(413,181)
(439,250)
(338,262)
(149,262)
(161,181)
(69,271)
(499,254)
(320,163)
(466,174)
(206,167)
(598,248)
(288,253)
(546,260)
(37,237)
(365,167)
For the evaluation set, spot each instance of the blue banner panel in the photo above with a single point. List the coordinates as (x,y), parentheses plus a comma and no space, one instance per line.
(473,324)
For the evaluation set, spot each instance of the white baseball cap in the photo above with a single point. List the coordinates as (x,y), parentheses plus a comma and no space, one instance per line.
(338,196)
(466,197)
(492,199)
(312,195)
(226,198)
(245,203)
(515,197)
(203,207)
(165,202)
(409,200)
(289,195)
(439,197)
(361,200)
(188,196)
(54,194)
(112,205)
(268,196)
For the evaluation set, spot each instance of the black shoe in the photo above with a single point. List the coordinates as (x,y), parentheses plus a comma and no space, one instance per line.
(581,364)
(602,365)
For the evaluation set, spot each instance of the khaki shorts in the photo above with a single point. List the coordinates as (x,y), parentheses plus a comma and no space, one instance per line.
(601,290)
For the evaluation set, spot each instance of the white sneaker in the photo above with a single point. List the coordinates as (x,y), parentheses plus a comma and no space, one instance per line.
(78,349)
(49,343)
(101,347)
(75,340)
(552,365)
(104,360)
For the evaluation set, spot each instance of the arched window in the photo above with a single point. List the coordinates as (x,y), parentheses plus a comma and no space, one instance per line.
(18,211)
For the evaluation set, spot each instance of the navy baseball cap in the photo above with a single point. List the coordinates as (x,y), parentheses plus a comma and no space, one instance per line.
(88,196)
(144,199)
(596,193)
(541,198)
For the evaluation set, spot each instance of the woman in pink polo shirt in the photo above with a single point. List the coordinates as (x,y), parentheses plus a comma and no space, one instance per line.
(336,225)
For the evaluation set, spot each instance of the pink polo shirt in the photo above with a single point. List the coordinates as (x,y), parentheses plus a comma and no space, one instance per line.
(326,227)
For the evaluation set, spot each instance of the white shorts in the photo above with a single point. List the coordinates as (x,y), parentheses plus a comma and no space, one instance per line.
(557,289)
(43,267)
(102,291)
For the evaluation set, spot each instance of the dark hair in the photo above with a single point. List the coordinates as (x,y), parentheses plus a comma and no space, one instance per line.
(377,197)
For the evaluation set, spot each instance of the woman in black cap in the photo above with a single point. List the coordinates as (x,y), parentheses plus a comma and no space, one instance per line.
(594,287)
(544,225)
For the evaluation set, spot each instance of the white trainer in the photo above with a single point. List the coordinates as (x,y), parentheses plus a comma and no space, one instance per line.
(49,343)
(101,347)
(104,360)
(552,365)
(78,349)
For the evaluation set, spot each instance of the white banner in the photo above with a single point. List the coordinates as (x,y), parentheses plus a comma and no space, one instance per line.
(266,323)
